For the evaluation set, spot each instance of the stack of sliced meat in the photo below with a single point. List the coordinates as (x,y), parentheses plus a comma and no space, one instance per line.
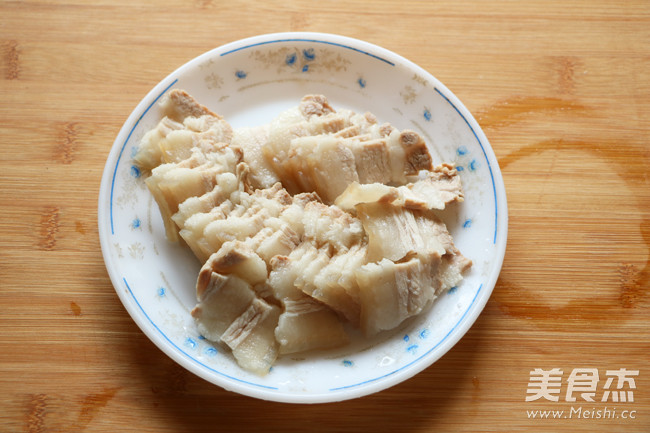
(319,219)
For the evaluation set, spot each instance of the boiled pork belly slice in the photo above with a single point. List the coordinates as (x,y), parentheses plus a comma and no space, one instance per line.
(372,160)
(194,227)
(185,124)
(306,324)
(222,298)
(312,117)
(259,215)
(409,155)
(395,232)
(293,214)
(251,140)
(288,126)
(278,240)
(331,166)
(173,183)
(386,155)
(178,105)
(315,105)
(251,337)
(226,185)
(238,258)
(170,185)
(340,272)
(282,277)
(149,151)
(274,198)
(450,272)
(435,190)
(261,206)
(335,285)
(235,227)
(310,270)
(438,188)
(327,164)
(304,262)
(230,312)
(391,292)
(178,144)
(330,226)
(312,147)
(319,163)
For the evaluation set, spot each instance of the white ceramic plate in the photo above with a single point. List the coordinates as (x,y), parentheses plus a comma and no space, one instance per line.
(249,82)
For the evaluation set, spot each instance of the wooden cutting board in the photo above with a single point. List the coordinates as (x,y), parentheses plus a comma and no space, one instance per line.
(562,90)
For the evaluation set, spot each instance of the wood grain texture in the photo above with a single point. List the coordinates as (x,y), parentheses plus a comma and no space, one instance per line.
(562,90)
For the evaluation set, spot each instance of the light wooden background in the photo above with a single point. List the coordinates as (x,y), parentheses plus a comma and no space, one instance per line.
(562,89)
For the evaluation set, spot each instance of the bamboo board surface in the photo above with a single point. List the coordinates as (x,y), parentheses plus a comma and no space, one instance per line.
(562,90)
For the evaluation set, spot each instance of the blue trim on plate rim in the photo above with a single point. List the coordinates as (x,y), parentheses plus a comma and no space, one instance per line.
(185,353)
(160,331)
(117,163)
(494,188)
(336,44)
(419,358)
